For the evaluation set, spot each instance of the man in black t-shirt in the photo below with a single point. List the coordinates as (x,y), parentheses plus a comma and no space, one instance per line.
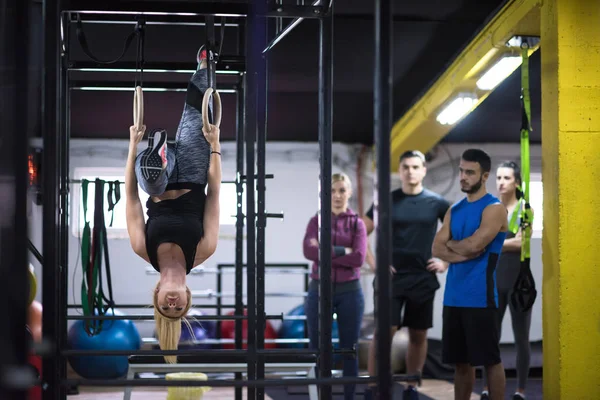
(415,212)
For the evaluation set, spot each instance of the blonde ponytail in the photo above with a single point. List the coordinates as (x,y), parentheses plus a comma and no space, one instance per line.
(168,330)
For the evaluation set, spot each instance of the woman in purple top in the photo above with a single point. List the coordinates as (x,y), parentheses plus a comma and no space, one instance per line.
(349,240)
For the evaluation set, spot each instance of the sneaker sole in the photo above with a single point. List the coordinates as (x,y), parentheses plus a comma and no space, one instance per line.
(151,162)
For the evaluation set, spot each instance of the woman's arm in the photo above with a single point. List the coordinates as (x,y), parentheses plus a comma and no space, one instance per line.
(514,244)
(136,226)
(354,257)
(208,245)
(310,244)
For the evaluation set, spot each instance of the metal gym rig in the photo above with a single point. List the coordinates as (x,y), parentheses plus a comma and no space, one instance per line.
(251,92)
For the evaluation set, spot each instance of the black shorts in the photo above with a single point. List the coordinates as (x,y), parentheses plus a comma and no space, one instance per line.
(417,315)
(471,336)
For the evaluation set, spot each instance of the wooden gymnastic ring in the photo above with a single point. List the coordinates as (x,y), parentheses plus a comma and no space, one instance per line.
(216,107)
(138,108)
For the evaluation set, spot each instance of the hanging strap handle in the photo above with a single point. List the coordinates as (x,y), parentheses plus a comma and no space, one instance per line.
(524,292)
(86,49)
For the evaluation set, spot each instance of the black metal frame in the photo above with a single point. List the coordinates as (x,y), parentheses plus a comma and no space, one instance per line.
(13,166)
(382,112)
(251,131)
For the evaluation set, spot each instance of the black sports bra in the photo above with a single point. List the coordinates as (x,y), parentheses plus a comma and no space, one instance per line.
(178,221)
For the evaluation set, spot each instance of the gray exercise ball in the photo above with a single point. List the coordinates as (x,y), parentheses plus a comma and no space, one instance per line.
(399,349)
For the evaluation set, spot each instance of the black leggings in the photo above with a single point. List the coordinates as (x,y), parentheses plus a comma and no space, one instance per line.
(521,323)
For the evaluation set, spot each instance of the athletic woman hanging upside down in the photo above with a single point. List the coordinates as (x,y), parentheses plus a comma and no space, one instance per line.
(183,180)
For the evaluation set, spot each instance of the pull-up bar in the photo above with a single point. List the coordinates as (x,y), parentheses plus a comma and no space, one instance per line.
(108,9)
(291,26)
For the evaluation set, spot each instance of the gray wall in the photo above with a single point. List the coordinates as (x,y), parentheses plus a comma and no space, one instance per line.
(294,191)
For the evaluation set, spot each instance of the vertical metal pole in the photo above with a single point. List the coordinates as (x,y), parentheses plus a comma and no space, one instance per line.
(64,138)
(51,219)
(14,28)
(219,299)
(239,235)
(250,127)
(260,39)
(382,126)
(239,225)
(325,160)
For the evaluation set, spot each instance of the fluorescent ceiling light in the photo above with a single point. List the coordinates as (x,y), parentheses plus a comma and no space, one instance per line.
(457,109)
(499,72)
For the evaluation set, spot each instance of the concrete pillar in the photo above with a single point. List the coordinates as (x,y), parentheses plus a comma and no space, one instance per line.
(570,34)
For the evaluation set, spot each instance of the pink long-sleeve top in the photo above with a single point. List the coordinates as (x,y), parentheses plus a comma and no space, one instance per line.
(347,230)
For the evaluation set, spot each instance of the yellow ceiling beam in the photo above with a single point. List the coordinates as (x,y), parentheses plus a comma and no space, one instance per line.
(418,128)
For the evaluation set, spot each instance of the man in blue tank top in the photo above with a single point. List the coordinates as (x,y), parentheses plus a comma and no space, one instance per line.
(471,240)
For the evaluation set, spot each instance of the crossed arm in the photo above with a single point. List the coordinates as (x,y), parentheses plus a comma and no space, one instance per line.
(352,258)
(493,220)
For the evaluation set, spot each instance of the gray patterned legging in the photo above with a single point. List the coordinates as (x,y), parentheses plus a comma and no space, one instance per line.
(188,158)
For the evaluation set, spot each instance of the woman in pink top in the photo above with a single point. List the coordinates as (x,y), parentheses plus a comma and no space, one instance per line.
(349,240)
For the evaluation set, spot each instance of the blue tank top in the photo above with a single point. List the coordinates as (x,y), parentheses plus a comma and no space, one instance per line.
(473,283)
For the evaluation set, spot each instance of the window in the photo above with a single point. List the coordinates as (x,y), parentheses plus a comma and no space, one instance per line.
(118,230)
(117,216)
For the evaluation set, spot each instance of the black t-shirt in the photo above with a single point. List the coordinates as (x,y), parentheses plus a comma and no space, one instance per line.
(414,225)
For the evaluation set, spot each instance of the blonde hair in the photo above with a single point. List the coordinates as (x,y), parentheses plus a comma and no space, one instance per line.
(341,177)
(168,329)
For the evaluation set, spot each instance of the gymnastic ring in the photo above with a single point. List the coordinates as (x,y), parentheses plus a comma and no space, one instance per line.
(138,108)
(32,284)
(216,107)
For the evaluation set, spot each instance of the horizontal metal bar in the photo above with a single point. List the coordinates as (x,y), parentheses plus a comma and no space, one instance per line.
(208,294)
(270,265)
(146,307)
(274,215)
(149,317)
(233,383)
(201,271)
(209,353)
(225,65)
(106,9)
(267,176)
(120,182)
(153,20)
(148,86)
(230,341)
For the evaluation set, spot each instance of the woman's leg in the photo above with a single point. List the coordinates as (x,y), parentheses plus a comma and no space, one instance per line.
(311,309)
(154,165)
(192,151)
(521,322)
(349,307)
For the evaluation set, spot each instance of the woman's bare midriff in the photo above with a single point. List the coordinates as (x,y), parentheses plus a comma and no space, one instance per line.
(172,251)
(170,195)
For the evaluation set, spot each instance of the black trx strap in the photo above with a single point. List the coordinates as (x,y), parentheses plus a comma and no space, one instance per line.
(137,32)
(113,188)
(94,300)
(524,291)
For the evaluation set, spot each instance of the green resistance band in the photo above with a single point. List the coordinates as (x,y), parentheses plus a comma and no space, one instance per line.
(91,264)
(526,215)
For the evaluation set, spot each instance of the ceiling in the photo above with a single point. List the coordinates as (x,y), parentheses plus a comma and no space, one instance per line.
(428,34)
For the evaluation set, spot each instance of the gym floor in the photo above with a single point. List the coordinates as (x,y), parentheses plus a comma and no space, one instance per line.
(431,390)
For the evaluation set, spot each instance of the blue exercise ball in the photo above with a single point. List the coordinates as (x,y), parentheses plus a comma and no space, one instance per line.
(294,329)
(196,330)
(113,335)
